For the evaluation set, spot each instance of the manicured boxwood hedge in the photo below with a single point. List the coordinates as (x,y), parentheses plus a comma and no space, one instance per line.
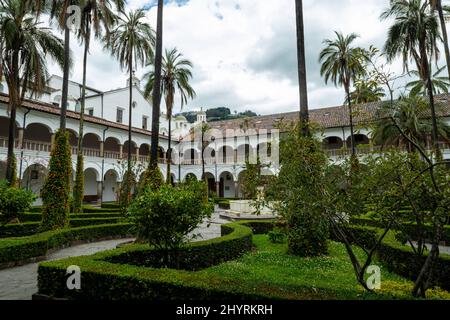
(118,274)
(79,220)
(411,228)
(400,258)
(110,205)
(23,248)
(86,209)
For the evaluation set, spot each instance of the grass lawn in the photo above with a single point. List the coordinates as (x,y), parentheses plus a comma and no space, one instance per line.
(329,277)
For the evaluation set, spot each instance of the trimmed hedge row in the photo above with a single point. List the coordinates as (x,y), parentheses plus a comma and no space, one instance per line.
(110,205)
(409,228)
(400,258)
(30,228)
(19,249)
(37,217)
(119,274)
(86,209)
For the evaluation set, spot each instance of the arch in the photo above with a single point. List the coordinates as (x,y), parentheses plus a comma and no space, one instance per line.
(191,156)
(211,181)
(225,155)
(332,143)
(73,137)
(91,177)
(244,152)
(111,148)
(264,151)
(33,180)
(360,139)
(226,185)
(110,186)
(4,126)
(190,176)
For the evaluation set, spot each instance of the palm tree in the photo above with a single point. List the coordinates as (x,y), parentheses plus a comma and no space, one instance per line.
(440,84)
(409,114)
(156,96)
(414,35)
(131,42)
(95,14)
(176,73)
(301,58)
(436,5)
(366,91)
(342,64)
(26,46)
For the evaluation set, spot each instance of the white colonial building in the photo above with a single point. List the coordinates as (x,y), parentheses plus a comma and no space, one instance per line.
(105,142)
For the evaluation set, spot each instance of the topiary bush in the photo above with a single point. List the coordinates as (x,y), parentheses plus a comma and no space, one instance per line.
(13,201)
(56,191)
(164,217)
(78,189)
(152,178)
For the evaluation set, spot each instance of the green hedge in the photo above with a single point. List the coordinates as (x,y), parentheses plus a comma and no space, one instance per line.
(409,228)
(75,220)
(19,249)
(110,205)
(400,258)
(37,217)
(86,209)
(119,274)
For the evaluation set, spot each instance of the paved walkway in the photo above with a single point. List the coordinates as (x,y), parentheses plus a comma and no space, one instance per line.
(20,283)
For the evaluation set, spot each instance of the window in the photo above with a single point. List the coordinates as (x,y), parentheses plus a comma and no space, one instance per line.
(119,115)
(144,122)
(90,112)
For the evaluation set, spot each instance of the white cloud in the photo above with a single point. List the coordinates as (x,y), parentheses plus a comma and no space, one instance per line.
(244,51)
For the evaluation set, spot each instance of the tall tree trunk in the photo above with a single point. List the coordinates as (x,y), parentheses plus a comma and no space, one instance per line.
(301,58)
(444,33)
(79,183)
(130,126)
(169,152)
(157,88)
(14,103)
(65,87)
(350,111)
(427,76)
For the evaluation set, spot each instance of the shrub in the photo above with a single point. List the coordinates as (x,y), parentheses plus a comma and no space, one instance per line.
(56,190)
(13,201)
(298,193)
(78,189)
(165,217)
(19,249)
(152,179)
(277,236)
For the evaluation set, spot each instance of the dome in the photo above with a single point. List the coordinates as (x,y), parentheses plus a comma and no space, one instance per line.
(180,118)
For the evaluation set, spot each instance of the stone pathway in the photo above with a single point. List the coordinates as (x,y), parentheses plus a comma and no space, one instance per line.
(20,283)
(442,249)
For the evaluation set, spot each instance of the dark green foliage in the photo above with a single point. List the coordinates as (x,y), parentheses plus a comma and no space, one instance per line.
(152,179)
(164,283)
(165,216)
(19,229)
(299,193)
(19,249)
(56,191)
(277,236)
(400,258)
(13,201)
(218,114)
(110,205)
(78,189)
(224,204)
(14,179)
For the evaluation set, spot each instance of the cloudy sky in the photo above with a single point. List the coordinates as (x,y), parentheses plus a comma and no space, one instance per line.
(244,51)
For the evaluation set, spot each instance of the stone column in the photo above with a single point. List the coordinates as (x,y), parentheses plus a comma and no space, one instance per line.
(99,191)
(20,138)
(52,141)
(218,188)
(121,151)
(236,189)
(137,153)
(102,149)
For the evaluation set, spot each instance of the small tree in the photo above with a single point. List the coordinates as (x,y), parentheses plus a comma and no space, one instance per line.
(56,191)
(78,189)
(165,217)
(299,194)
(13,201)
